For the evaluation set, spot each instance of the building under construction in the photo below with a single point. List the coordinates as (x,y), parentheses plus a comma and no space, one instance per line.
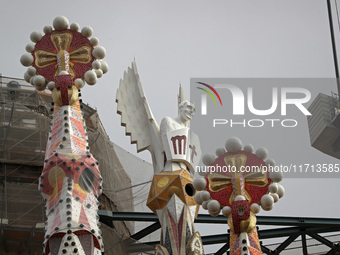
(24,127)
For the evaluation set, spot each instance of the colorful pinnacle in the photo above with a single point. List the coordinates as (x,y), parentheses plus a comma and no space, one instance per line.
(70,182)
(239,182)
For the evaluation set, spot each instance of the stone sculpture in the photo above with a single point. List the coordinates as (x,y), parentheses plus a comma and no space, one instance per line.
(175,151)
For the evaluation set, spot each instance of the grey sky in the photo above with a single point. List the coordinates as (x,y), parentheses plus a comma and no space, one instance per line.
(173,41)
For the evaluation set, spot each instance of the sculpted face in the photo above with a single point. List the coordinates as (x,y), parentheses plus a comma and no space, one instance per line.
(187,110)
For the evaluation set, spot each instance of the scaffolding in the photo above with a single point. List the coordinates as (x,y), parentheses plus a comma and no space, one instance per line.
(24,126)
(24,121)
(335,106)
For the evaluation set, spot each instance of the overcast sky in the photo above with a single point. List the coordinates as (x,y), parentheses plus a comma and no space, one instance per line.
(173,41)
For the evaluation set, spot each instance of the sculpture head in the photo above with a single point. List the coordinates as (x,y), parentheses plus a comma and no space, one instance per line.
(186,110)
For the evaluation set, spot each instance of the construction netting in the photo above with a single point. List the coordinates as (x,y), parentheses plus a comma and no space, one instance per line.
(141,174)
(114,175)
(24,120)
(24,123)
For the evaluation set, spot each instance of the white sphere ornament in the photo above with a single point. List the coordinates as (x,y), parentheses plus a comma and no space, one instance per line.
(63,72)
(29,47)
(267,207)
(273,188)
(276,176)
(240,198)
(31,71)
(47,29)
(99,52)
(280,191)
(248,148)
(275,197)
(214,206)
(208,159)
(26,59)
(213,213)
(74,27)
(27,77)
(255,208)
(39,82)
(226,211)
(51,85)
(267,200)
(198,198)
(32,80)
(219,152)
(205,205)
(79,83)
(35,36)
(87,31)
(104,66)
(99,73)
(96,64)
(200,184)
(60,23)
(94,41)
(205,195)
(233,144)
(90,77)
(262,153)
(270,162)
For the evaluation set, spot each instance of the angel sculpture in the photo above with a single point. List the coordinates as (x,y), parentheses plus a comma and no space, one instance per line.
(175,151)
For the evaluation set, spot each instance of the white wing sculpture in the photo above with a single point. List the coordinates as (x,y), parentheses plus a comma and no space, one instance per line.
(173,198)
(137,117)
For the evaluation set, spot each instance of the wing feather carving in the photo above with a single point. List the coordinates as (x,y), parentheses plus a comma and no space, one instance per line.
(137,118)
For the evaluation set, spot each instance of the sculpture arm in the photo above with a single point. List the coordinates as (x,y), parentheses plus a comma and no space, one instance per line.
(166,125)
